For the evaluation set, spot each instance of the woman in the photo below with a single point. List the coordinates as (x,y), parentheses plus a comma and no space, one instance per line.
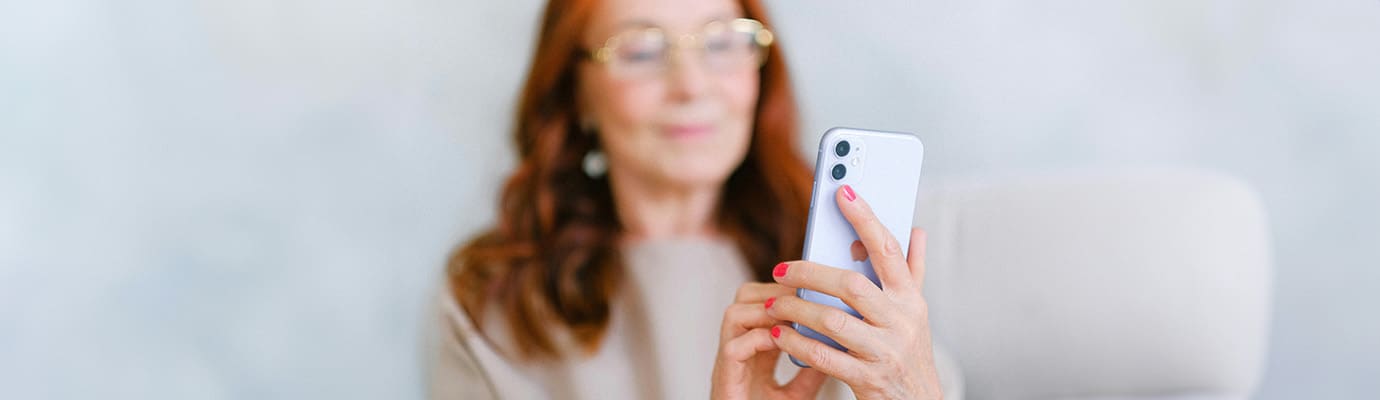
(656,194)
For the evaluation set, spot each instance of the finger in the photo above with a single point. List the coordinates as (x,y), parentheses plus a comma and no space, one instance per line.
(741,317)
(805,384)
(818,355)
(735,354)
(916,256)
(850,286)
(882,248)
(758,292)
(844,328)
(743,347)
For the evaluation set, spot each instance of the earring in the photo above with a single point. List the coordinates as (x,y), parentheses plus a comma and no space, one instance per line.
(595,164)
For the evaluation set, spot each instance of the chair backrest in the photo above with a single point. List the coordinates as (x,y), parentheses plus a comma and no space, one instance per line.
(1101,284)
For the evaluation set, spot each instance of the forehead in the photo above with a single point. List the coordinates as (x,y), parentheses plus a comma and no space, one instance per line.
(674,16)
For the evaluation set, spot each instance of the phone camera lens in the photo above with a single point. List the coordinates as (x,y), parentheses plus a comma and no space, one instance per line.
(841,149)
(839,171)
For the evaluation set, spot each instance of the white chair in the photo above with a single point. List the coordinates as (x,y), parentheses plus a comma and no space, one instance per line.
(1136,285)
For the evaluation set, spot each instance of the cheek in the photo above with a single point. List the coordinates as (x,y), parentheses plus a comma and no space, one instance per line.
(740,95)
(622,106)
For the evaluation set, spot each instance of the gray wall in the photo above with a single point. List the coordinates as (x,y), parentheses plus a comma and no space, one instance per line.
(253,198)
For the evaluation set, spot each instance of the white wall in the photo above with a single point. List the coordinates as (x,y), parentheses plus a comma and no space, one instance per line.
(252,198)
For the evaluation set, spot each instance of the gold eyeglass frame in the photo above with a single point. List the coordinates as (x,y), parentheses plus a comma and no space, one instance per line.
(762,36)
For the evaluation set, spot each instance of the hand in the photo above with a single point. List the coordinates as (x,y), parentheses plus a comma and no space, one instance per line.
(890,355)
(746,364)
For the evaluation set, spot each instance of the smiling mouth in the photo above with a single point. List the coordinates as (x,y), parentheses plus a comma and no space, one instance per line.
(688,130)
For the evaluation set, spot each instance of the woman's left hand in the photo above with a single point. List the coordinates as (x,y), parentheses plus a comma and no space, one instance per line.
(890,355)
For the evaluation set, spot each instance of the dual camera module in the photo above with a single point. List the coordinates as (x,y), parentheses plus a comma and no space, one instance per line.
(841,149)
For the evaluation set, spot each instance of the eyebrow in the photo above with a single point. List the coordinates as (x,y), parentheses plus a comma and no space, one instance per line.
(634,23)
(642,23)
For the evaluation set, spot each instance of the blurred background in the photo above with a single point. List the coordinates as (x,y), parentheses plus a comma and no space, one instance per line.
(255,198)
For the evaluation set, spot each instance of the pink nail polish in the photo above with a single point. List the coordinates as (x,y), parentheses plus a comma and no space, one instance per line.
(848,193)
(776,331)
(769,301)
(780,270)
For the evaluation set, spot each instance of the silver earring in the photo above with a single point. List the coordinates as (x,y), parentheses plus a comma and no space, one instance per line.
(595,164)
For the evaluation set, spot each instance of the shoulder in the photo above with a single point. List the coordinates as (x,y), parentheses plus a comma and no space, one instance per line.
(454,371)
(446,312)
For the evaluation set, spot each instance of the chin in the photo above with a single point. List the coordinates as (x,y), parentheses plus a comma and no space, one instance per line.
(700,172)
(697,177)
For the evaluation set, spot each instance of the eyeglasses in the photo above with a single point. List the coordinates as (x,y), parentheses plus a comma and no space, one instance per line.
(723,46)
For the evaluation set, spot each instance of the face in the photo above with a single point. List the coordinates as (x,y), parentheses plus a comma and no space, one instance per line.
(688,124)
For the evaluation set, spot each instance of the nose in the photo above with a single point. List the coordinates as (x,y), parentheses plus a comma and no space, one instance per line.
(687,76)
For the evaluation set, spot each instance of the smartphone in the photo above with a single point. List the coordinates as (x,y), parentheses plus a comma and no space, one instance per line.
(884,169)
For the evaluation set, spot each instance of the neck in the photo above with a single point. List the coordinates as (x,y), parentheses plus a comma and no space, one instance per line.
(651,210)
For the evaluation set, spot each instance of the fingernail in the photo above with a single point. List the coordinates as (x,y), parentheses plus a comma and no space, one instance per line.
(769,301)
(780,270)
(848,193)
(776,331)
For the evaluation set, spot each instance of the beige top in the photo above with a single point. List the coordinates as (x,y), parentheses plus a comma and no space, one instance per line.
(662,338)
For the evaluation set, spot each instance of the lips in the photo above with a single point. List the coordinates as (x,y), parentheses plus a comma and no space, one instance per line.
(688,130)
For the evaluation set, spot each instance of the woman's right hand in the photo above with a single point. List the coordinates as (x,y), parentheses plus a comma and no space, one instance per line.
(745,367)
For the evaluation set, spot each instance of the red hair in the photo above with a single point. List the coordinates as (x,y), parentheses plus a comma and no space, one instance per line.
(553,255)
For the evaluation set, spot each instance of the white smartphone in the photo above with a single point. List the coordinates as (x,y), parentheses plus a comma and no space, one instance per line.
(881,167)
